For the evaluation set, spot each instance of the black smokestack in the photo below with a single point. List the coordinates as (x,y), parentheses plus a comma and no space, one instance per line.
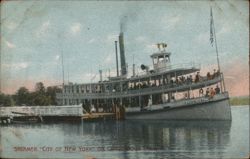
(116,55)
(122,54)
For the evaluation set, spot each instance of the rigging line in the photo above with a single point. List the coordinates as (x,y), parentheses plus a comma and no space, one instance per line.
(217,53)
(215,41)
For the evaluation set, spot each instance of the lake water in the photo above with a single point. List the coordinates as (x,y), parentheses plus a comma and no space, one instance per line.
(130,139)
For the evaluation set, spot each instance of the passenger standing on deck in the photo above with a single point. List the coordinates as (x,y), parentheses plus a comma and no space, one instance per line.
(197,77)
(208,76)
(201,92)
(212,93)
(217,89)
(207,93)
(92,109)
(149,103)
(191,79)
(214,74)
(218,72)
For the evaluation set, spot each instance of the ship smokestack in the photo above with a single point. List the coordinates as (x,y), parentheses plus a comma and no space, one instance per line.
(116,55)
(122,55)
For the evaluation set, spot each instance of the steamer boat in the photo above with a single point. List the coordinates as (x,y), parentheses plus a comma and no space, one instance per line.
(163,91)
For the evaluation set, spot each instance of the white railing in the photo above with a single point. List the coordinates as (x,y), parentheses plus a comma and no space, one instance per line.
(189,65)
(181,103)
(142,91)
(72,110)
(197,100)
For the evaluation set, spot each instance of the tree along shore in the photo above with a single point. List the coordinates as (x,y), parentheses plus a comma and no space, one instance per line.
(40,96)
(238,101)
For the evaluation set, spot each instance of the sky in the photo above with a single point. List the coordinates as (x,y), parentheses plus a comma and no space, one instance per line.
(36,34)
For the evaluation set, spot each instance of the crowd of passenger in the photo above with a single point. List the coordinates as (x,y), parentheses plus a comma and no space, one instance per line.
(181,80)
(102,107)
(210,92)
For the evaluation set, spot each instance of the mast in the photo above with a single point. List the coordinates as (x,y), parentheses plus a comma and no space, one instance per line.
(133,66)
(62,77)
(62,60)
(68,74)
(212,33)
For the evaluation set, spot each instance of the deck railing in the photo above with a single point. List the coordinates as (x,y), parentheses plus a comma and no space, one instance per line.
(188,65)
(73,110)
(182,102)
(142,91)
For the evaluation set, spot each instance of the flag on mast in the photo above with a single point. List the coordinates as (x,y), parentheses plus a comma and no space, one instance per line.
(211,27)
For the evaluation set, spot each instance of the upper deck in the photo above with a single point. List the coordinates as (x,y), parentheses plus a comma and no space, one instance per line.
(123,84)
(170,70)
(141,90)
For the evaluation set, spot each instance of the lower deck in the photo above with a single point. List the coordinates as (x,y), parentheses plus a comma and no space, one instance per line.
(201,108)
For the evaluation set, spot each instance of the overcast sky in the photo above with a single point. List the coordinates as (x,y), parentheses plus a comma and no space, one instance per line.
(34,35)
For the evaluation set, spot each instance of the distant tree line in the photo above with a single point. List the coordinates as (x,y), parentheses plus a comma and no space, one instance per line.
(239,101)
(40,96)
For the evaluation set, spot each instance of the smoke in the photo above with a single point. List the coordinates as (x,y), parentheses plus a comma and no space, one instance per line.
(127,18)
(123,23)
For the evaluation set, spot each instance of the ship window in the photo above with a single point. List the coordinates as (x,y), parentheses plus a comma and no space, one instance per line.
(82,89)
(161,58)
(167,58)
(77,89)
(155,60)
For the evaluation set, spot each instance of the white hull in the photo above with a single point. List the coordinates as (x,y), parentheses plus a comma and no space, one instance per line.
(216,109)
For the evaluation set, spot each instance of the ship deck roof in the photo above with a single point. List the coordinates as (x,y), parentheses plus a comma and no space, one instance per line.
(144,77)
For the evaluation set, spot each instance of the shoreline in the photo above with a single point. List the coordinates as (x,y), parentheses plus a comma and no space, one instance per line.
(239,105)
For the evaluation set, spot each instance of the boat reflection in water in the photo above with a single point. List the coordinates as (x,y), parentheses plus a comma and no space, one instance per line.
(121,139)
(156,138)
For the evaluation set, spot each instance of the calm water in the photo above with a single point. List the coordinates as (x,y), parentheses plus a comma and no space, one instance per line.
(130,139)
